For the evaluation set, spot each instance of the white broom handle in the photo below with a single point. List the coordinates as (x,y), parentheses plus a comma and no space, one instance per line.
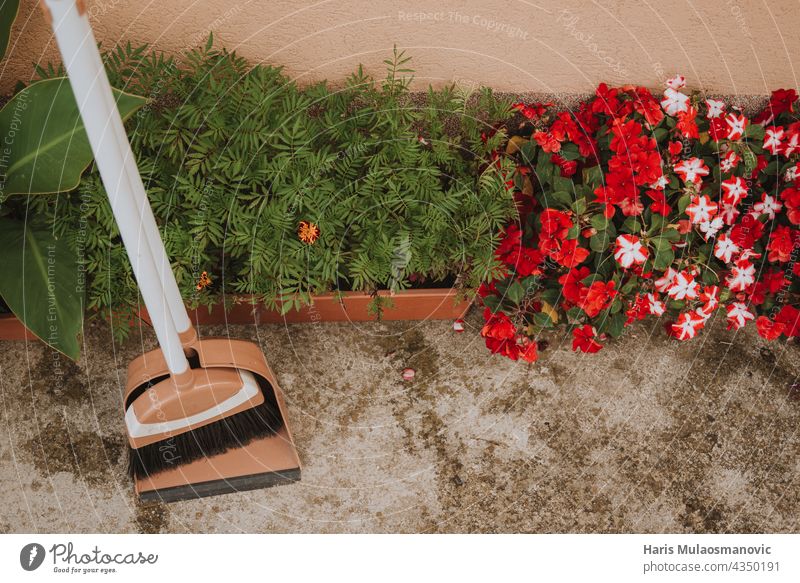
(77,44)
(177,309)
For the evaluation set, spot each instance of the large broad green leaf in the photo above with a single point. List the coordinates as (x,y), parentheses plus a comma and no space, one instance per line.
(46,148)
(40,283)
(8,13)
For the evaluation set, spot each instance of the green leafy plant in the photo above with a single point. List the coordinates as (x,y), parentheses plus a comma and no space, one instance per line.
(45,151)
(398,191)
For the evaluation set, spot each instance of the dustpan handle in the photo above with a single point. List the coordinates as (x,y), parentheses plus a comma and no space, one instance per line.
(79,52)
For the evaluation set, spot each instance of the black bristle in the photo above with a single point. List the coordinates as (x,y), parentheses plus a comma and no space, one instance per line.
(212,439)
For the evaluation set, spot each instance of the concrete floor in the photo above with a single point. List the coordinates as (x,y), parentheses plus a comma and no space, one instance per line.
(650,435)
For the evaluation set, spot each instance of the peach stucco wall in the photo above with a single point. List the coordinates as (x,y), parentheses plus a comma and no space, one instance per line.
(724,46)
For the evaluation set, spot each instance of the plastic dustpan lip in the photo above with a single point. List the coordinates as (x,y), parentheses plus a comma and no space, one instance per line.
(249,389)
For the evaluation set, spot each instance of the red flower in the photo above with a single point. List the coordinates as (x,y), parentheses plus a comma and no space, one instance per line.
(789,316)
(659,205)
(497,326)
(645,104)
(687,326)
(547,141)
(597,297)
(507,348)
(570,254)
(583,339)
(718,128)
(572,283)
(527,351)
(555,223)
(781,101)
(532,110)
(747,232)
(768,329)
(686,123)
(568,167)
(781,242)
(791,198)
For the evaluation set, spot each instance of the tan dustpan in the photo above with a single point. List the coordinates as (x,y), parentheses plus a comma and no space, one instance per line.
(263,462)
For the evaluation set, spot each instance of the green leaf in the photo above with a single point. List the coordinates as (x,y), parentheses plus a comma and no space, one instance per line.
(749,159)
(492,302)
(599,222)
(574,231)
(683,202)
(754,131)
(630,285)
(8,13)
(542,320)
(40,284)
(663,259)
(593,176)
(544,170)
(671,235)
(559,198)
(661,244)
(48,149)
(632,225)
(616,324)
(599,242)
(659,134)
(515,292)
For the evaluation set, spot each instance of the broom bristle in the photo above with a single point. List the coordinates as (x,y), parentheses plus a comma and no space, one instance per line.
(212,439)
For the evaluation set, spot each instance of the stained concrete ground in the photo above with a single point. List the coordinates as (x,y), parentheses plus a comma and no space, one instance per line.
(650,435)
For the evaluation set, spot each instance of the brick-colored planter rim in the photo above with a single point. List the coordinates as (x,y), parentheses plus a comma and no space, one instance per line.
(415,305)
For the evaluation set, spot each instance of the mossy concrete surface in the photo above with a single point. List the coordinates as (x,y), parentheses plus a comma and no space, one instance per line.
(649,435)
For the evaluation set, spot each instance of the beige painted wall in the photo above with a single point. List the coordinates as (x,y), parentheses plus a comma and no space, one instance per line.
(725,46)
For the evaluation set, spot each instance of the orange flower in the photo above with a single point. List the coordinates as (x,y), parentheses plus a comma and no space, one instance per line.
(204,282)
(308,232)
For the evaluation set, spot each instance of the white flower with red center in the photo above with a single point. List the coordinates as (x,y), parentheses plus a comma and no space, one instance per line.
(458,325)
(725,248)
(688,325)
(768,206)
(677,82)
(773,140)
(710,298)
(691,170)
(630,251)
(733,190)
(674,102)
(736,125)
(701,209)
(711,228)
(738,315)
(683,287)
(664,282)
(742,276)
(729,161)
(729,212)
(715,108)
(660,184)
(792,145)
(655,305)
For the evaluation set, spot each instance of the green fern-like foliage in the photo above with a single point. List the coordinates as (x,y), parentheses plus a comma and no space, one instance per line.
(235,156)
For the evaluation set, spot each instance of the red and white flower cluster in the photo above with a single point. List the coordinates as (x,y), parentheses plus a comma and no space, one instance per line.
(633,207)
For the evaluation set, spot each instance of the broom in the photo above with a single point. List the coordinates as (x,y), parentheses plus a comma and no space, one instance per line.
(193,412)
